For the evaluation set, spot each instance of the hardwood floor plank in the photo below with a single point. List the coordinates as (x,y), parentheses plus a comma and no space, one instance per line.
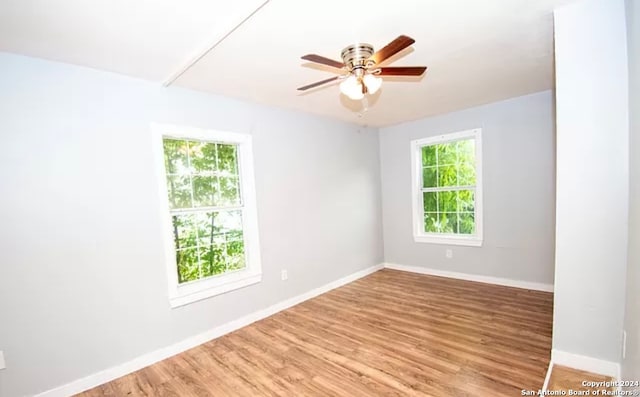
(392,333)
(564,378)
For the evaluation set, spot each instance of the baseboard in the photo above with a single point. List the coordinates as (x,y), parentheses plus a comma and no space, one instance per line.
(584,363)
(112,373)
(472,277)
(547,376)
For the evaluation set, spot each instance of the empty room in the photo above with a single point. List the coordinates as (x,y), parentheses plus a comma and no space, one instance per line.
(319,198)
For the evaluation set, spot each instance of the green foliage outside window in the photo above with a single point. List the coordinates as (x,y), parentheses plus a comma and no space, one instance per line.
(448,187)
(202,177)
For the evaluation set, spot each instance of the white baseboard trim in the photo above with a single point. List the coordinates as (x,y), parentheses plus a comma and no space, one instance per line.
(584,363)
(547,376)
(118,371)
(472,277)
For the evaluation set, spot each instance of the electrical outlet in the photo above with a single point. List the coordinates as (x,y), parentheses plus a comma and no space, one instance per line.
(624,344)
(449,253)
(284,275)
(2,363)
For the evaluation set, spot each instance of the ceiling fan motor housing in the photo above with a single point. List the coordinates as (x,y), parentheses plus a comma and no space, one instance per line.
(355,56)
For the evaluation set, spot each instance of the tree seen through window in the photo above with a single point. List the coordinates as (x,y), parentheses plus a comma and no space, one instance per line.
(205,201)
(448,187)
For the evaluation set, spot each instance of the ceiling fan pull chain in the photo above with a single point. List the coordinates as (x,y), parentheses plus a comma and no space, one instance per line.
(365,107)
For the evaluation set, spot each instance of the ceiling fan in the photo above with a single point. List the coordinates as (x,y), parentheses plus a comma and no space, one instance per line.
(360,63)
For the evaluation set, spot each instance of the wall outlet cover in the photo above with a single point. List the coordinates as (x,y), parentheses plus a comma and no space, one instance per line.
(2,363)
(284,275)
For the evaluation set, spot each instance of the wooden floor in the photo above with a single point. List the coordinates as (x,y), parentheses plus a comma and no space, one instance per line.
(390,334)
(563,378)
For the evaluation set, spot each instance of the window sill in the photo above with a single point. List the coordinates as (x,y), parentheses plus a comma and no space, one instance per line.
(449,240)
(209,288)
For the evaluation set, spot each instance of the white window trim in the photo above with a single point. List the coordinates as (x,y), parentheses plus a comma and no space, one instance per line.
(193,291)
(419,235)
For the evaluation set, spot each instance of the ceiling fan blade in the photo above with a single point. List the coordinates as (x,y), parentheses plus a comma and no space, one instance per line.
(317,83)
(402,71)
(325,61)
(392,48)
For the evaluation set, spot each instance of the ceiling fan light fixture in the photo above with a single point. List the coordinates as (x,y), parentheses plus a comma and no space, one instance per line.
(352,88)
(372,82)
(360,63)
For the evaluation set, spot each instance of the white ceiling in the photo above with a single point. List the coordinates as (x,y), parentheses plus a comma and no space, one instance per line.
(477,51)
(150,39)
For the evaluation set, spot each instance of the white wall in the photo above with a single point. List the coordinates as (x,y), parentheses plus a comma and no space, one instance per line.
(518,192)
(592,178)
(82,279)
(631,363)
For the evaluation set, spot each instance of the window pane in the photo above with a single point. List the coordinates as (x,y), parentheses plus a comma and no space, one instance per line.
(449,211)
(179,190)
(447,176)
(204,188)
(201,174)
(446,153)
(188,269)
(429,177)
(431,223)
(235,235)
(448,222)
(185,231)
(430,201)
(202,222)
(208,229)
(218,239)
(231,228)
(467,174)
(429,156)
(212,259)
(467,223)
(203,157)
(218,227)
(466,151)
(447,202)
(229,192)
(227,160)
(466,200)
(175,156)
(229,221)
(235,255)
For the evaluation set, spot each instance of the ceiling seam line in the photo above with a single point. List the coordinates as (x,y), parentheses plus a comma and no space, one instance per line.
(194,60)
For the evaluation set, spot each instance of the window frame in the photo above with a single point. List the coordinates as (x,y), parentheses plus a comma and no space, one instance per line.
(192,291)
(419,235)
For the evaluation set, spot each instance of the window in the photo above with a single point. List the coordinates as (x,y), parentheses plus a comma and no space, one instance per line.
(209,212)
(447,188)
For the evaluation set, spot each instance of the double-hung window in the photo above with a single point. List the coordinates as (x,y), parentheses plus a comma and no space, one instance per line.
(447,188)
(209,211)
